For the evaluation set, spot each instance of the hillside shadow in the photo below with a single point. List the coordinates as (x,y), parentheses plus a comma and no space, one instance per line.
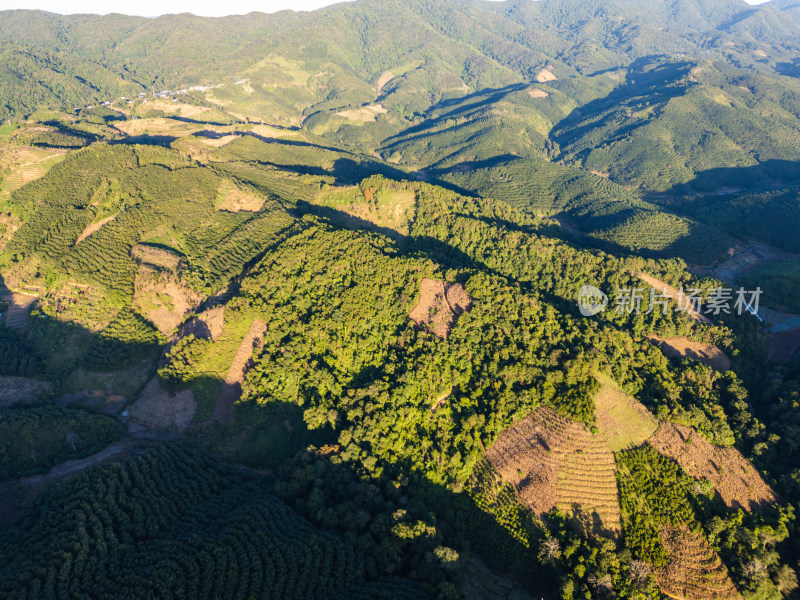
(588,522)
(145,140)
(262,438)
(768,175)
(461,106)
(736,19)
(345,171)
(203,121)
(650,81)
(294,143)
(466,166)
(789,69)
(446,254)
(64,136)
(101,114)
(751,204)
(211,134)
(433,248)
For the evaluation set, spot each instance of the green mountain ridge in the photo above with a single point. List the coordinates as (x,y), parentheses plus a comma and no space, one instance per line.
(304,296)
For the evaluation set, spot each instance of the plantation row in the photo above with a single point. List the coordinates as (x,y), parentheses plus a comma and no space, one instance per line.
(17,358)
(151,528)
(670,124)
(127,338)
(340,349)
(547,550)
(600,208)
(149,194)
(231,254)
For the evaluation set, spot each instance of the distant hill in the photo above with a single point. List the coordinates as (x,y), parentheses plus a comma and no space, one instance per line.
(436,285)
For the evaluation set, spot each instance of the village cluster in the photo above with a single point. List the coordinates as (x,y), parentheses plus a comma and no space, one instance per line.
(163,94)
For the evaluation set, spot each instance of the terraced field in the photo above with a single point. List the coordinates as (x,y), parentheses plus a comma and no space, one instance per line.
(174,524)
(553,462)
(694,570)
(586,481)
(737,482)
(26,164)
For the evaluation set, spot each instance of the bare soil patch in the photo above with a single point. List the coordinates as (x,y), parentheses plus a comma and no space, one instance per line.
(537,93)
(159,409)
(567,225)
(364,114)
(208,325)
(162,299)
(231,198)
(90,229)
(189,111)
(694,570)
(545,75)
(621,418)
(554,462)
(158,125)
(153,255)
(673,294)
(231,389)
(734,478)
(385,78)
(271,132)
(440,304)
(683,347)
(218,142)
(442,399)
(142,126)
(22,390)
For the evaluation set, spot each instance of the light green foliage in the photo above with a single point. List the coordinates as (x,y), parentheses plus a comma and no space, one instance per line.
(653,492)
(6,130)
(644,137)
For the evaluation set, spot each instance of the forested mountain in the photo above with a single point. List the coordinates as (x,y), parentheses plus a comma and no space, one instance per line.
(290,302)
